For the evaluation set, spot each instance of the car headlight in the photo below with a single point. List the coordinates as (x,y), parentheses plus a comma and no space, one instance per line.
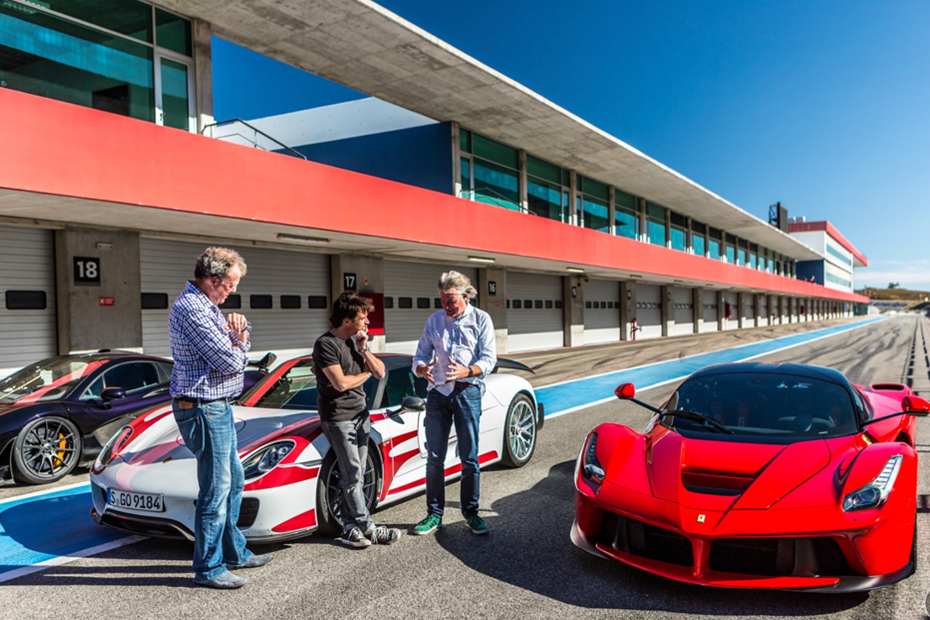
(876,492)
(112,448)
(266,459)
(590,467)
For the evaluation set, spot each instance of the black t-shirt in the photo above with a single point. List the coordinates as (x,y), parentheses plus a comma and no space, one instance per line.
(335,406)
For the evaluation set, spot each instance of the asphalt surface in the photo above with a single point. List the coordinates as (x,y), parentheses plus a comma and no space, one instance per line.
(527,567)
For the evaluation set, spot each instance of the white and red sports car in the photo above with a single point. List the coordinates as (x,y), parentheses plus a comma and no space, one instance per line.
(145,479)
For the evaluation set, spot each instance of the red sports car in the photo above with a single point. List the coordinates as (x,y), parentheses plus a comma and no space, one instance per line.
(758,476)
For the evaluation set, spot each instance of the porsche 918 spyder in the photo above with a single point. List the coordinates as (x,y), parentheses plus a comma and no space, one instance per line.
(145,479)
(758,476)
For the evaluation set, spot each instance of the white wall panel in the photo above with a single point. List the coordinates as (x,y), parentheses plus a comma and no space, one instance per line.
(648,311)
(733,321)
(27,263)
(710,312)
(535,327)
(683,309)
(602,316)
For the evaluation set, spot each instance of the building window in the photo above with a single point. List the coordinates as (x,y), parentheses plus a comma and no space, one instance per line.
(678,234)
(107,61)
(489,171)
(547,189)
(839,255)
(592,202)
(699,238)
(655,224)
(626,217)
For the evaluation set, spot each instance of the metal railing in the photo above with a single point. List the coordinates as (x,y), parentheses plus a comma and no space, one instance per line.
(232,131)
(491,197)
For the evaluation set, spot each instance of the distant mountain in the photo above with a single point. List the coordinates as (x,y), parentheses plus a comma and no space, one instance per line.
(895,294)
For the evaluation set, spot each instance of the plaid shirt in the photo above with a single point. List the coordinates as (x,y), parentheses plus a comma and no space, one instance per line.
(206,364)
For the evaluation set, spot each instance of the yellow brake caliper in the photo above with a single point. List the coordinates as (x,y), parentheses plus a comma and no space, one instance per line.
(62,444)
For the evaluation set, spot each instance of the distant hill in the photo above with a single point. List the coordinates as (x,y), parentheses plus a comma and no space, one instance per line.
(894,294)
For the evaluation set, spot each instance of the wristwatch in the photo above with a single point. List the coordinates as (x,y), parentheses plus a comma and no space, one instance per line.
(471,371)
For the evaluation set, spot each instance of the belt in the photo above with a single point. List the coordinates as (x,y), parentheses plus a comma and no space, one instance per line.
(203,401)
(461,385)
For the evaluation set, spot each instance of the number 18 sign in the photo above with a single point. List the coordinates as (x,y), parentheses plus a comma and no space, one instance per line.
(86,270)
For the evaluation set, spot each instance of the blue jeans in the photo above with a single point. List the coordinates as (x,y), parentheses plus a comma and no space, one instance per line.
(210,433)
(462,408)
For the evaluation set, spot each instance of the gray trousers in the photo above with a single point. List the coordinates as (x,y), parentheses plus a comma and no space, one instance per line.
(349,441)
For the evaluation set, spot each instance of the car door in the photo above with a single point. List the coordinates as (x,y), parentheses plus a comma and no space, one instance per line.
(407,452)
(143,382)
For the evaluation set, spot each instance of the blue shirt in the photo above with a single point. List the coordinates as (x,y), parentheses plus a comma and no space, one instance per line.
(206,364)
(468,339)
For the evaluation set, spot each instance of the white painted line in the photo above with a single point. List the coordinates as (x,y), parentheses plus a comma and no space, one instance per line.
(65,559)
(16,498)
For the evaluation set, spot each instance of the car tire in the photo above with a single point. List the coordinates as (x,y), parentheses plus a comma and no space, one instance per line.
(46,450)
(520,432)
(329,519)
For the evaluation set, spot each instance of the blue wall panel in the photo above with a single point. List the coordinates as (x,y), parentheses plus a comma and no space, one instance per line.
(420,156)
(809,268)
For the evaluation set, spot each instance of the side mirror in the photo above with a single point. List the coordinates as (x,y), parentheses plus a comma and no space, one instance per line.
(625,391)
(112,393)
(915,405)
(413,403)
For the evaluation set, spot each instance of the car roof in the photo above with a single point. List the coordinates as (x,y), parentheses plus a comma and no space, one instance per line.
(796,370)
(113,354)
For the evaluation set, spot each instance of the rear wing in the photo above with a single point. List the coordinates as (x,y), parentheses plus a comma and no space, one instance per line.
(503,362)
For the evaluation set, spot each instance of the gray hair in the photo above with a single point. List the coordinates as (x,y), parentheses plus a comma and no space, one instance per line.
(216,263)
(458,281)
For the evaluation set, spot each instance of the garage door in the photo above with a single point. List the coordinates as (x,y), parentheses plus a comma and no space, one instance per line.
(749,310)
(534,314)
(410,297)
(28,322)
(648,311)
(683,308)
(285,295)
(710,313)
(601,311)
(733,303)
(764,310)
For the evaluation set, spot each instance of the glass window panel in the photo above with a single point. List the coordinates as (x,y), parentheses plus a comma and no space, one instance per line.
(172,32)
(595,214)
(713,248)
(762,263)
(495,151)
(677,237)
(752,260)
(496,185)
(545,199)
(697,244)
(731,254)
(543,170)
(741,257)
(123,16)
(466,175)
(47,56)
(593,188)
(465,140)
(655,211)
(622,199)
(656,232)
(175,102)
(626,222)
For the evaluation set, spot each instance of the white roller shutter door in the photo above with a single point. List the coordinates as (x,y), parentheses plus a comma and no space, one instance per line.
(288,332)
(683,307)
(601,311)
(648,311)
(749,310)
(764,310)
(540,325)
(412,290)
(710,313)
(27,265)
(733,321)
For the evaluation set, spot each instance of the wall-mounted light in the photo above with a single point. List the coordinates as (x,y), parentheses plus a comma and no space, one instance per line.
(574,269)
(481,259)
(306,238)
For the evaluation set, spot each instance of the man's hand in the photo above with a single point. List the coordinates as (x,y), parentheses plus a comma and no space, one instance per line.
(237,324)
(426,371)
(361,340)
(456,371)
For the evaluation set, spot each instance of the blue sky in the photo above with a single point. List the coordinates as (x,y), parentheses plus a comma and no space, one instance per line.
(822,105)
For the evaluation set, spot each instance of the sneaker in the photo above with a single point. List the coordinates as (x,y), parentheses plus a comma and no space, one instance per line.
(254,561)
(223,581)
(427,525)
(382,535)
(477,525)
(355,538)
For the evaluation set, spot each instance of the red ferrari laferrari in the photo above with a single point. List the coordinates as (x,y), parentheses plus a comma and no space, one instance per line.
(758,476)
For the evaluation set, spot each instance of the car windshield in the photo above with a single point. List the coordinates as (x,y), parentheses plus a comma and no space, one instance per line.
(774,407)
(296,389)
(50,379)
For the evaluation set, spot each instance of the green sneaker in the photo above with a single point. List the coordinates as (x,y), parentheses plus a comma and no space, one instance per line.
(427,525)
(477,525)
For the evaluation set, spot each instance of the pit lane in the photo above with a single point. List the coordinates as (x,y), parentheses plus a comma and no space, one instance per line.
(527,567)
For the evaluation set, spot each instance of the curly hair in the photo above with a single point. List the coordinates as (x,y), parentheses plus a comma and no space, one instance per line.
(458,281)
(216,262)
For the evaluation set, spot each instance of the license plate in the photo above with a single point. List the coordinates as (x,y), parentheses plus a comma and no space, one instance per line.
(135,501)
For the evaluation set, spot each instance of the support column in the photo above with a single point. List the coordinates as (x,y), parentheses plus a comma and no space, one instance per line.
(106,313)
(203,74)
(756,309)
(697,309)
(721,311)
(627,309)
(524,202)
(369,280)
(492,298)
(572,198)
(668,314)
(573,310)
(742,301)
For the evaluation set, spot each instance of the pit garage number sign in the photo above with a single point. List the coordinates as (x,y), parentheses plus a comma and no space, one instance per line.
(87,270)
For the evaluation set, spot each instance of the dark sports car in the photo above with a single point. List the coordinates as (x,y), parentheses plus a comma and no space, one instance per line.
(58,413)
(758,476)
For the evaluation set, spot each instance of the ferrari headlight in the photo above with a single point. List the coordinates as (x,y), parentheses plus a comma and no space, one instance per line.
(590,467)
(876,492)
(266,459)
(112,448)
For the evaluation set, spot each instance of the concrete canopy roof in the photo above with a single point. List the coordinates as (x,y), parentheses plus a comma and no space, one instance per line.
(364,46)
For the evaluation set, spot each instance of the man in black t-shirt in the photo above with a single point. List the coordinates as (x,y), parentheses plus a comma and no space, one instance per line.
(342,364)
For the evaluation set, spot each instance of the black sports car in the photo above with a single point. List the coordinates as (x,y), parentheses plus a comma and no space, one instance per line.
(58,413)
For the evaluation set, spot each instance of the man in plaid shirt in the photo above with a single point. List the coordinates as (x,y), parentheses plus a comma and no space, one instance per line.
(210,355)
